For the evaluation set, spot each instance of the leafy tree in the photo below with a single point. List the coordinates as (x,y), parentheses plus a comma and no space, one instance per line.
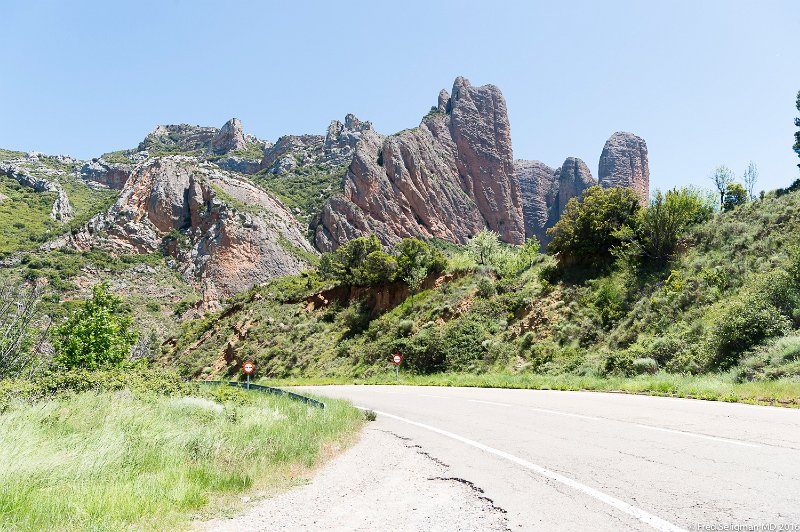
(722,178)
(664,221)
(414,279)
(96,334)
(749,179)
(591,227)
(414,253)
(344,264)
(797,133)
(735,195)
(378,268)
(483,246)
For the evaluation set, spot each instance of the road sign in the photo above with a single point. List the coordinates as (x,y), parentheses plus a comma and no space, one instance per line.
(397,359)
(248,368)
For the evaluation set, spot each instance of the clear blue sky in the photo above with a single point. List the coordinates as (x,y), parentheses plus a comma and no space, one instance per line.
(703,82)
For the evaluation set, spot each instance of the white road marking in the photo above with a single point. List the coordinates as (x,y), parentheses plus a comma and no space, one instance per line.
(594,418)
(643,516)
(696,435)
(488,402)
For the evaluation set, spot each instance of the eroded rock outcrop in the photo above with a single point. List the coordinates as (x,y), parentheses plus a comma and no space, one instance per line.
(623,163)
(229,138)
(225,233)
(450,177)
(42,179)
(111,175)
(545,192)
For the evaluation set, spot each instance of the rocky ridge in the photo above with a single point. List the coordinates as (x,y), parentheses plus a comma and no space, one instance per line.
(225,233)
(624,163)
(449,177)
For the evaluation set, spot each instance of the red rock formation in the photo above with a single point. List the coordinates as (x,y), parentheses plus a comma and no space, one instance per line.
(623,163)
(450,177)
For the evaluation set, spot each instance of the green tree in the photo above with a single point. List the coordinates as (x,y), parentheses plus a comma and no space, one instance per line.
(797,133)
(665,220)
(378,268)
(96,334)
(483,246)
(414,253)
(735,195)
(591,227)
(345,262)
(722,179)
(414,279)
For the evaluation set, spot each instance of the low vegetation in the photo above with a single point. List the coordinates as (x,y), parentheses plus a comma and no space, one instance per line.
(144,451)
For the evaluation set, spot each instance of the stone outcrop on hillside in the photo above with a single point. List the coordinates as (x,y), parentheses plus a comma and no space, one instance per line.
(545,192)
(335,148)
(183,138)
(111,175)
(623,163)
(450,177)
(232,234)
(229,138)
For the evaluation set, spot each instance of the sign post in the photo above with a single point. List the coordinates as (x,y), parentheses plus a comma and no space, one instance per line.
(248,368)
(397,359)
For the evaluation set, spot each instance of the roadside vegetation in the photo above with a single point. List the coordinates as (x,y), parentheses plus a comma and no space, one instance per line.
(692,296)
(139,449)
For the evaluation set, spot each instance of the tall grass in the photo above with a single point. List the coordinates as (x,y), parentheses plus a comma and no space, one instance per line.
(108,461)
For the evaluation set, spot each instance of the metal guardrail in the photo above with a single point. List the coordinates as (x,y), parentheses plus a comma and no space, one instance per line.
(269,389)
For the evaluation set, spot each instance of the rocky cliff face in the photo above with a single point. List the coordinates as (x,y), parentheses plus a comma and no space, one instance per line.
(229,138)
(30,172)
(545,192)
(623,163)
(226,233)
(450,177)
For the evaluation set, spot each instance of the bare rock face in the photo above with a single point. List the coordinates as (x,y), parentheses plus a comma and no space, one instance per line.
(234,234)
(570,181)
(535,184)
(111,175)
(623,163)
(450,177)
(545,192)
(229,138)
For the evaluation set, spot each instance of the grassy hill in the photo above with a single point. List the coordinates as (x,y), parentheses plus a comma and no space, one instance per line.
(719,309)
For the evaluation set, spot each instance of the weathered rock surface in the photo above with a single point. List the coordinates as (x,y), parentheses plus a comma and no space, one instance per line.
(545,192)
(450,177)
(570,181)
(623,163)
(535,183)
(229,138)
(234,234)
(62,209)
(178,137)
(111,175)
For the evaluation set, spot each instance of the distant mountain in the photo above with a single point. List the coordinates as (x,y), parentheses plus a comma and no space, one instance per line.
(234,210)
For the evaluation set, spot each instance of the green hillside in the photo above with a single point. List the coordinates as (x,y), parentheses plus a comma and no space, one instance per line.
(724,304)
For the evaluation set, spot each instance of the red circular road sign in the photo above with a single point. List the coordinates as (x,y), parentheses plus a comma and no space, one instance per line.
(249,367)
(397,359)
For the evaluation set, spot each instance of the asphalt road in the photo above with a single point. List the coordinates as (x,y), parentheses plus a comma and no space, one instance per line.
(600,461)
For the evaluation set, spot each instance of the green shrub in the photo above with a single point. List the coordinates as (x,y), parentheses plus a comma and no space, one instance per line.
(762,309)
(405,327)
(95,335)
(461,344)
(644,365)
(486,287)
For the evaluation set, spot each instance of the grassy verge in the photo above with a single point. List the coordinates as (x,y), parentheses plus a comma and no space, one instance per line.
(717,387)
(111,460)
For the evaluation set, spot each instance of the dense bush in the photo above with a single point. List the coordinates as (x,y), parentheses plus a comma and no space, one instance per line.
(96,334)
(590,227)
(762,309)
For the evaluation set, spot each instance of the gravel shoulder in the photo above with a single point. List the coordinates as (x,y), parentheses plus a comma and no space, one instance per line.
(383,482)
